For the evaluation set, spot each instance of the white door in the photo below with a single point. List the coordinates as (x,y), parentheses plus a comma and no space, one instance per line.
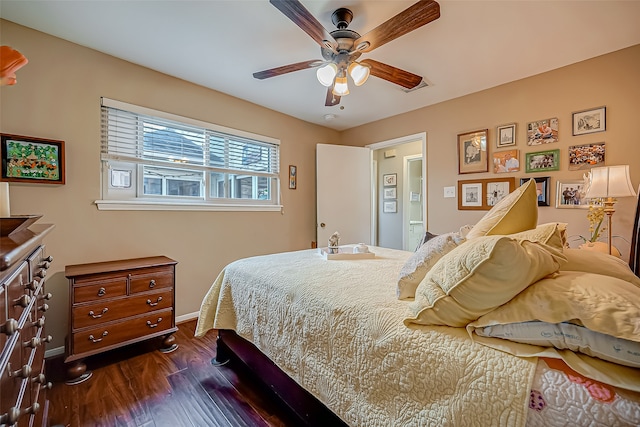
(343,180)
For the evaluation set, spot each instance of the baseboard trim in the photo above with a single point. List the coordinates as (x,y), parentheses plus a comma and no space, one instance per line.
(187,317)
(53,352)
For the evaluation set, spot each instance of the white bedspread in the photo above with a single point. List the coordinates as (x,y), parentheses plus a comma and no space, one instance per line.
(335,327)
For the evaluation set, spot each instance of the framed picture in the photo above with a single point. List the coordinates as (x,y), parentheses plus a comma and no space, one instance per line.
(390,193)
(293,177)
(590,121)
(541,161)
(542,132)
(570,195)
(472,152)
(389,179)
(506,161)
(482,194)
(32,160)
(542,189)
(587,156)
(390,207)
(506,135)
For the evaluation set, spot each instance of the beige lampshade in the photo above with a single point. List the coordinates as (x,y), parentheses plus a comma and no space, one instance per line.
(610,181)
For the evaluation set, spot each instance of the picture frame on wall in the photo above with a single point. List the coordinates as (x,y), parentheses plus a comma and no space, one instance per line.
(506,135)
(32,160)
(589,121)
(472,152)
(390,206)
(390,193)
(470,195)
(586,156)
(293,177)
(542,131)
(542,161)
(569,195)
(483,194)
(542,189)
(389,179)
(506,161)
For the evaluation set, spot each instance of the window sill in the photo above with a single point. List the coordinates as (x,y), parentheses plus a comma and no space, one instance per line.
(144,205)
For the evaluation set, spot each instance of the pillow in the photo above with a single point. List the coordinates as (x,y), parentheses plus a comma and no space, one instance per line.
(603,304)
(427,236)
(516,212)
(479,276)
(422,260)
(553,234)
(598,263)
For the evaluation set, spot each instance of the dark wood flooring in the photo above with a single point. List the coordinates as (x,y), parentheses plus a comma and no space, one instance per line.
(140,386)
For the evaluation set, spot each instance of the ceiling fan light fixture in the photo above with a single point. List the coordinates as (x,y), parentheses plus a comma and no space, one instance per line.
(326,74)
(359,73)
(340,88)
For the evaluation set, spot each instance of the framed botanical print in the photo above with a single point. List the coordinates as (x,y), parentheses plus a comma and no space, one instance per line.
(590,121)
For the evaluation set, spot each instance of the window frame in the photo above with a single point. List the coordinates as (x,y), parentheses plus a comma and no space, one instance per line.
(133,197)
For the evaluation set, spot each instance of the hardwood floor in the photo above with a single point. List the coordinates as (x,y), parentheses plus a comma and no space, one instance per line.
(140,386)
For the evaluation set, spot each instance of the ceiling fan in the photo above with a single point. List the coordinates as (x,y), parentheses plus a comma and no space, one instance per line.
(342,47)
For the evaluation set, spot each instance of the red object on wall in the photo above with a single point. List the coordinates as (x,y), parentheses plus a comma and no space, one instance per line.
(10,61)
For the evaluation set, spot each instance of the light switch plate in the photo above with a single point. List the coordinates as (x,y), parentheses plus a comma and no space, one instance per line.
(449,192)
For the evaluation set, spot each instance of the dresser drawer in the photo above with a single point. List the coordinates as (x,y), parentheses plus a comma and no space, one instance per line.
(91,315)
(18,297)
(12,378)
(104,289)
(115,334)
(150,279)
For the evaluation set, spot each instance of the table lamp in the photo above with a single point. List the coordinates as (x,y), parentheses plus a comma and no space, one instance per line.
(609,183)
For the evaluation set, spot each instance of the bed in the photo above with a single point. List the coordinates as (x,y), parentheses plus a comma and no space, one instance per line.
(349,342)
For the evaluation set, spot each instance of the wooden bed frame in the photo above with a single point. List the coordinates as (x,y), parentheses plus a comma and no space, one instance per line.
(302,403)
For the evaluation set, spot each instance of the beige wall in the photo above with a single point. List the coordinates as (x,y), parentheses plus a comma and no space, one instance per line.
(58,97)
(610,80)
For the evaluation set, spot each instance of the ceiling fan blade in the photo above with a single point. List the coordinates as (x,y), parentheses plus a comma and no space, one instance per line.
(300,16)
(416,16)
(272,72)
(331,98)
(393,74)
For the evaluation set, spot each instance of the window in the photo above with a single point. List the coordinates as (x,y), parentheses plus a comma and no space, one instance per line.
(155,160)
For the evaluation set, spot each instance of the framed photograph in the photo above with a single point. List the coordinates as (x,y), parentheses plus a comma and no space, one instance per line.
(506,135)
(506,161)
(32,160)
(482,194)
(542,132)
(390,193)
(541,161)
(293,177)
(587,156)
(570,195)
(542,189)
(390,207)
(472,152)
(389,179)
(590,121)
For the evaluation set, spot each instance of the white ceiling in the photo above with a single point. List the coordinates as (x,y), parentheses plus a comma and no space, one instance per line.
(474,45)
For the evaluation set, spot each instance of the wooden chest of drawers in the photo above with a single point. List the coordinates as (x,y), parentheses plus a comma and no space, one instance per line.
(116,303)
(23,303)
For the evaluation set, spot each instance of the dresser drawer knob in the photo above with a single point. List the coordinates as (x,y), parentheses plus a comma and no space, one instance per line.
(9,327)
(33,342)
(152,283)
(46,296)
(41,273)
(95,340)
(44,307)
(153,304)
(40,378)
(48,259)
(33,285)
(38,323)
(23,301)
(102,292)
(153,325)
(45,264)
(23,372)
(33,409)
(11,417)
(97,316)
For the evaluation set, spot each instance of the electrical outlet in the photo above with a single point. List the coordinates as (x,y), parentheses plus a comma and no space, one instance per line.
(449,192)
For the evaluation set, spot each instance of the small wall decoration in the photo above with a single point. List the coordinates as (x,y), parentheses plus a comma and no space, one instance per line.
(542,161)
(506,135)
(389,179)
(32,160)
(587,156)
(570,195)
(590,121)
(542,132)
(482,194)
(390,207)
(506,161)
(542,189)
(390,193)
(472,152)
(293,177)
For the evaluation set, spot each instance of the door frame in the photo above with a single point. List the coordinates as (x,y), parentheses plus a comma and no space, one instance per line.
(406,202)
(422,136)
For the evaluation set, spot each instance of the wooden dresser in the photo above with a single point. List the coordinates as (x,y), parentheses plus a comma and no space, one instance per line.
(116,303)
(23,267)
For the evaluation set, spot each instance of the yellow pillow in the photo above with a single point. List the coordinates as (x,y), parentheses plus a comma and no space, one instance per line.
(516,212)
(553,234)
(478,276)
(599,263)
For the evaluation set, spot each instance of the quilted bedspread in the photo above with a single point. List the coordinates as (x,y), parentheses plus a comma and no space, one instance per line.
(335,327)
